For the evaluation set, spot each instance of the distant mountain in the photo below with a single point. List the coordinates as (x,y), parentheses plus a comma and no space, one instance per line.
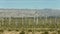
(29,12)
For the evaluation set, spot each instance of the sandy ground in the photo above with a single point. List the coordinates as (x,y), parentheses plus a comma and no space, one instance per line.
(10,32)
(15,32)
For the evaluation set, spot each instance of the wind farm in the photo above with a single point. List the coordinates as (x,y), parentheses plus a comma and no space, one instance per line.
(31,21)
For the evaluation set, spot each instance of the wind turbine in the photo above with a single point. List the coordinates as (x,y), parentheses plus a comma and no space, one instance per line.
(56,23)
(22,20)
(9,20)
(2,21)
(43,18)
(34,19)
(36,16)
(37,19)
(46,18)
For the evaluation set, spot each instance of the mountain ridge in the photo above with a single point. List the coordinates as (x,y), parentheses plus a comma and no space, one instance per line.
(29,12)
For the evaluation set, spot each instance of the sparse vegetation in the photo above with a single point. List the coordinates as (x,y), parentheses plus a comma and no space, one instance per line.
(29,30)
(46,33)
(29,22)
(16,30)
(15,24)
(1,31)
(9,30)
(22,32)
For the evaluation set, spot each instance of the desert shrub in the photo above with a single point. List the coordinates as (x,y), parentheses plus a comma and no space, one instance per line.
(9,30)
(38,30)
(53,33)
(16,30)
(22,32)
(58,31)
(29,30)
(51,29)
(46,33)
(1,30)
(42,33)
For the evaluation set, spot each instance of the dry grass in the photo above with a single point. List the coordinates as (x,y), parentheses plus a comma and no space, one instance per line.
(28,23)
(10,32)
(36,32)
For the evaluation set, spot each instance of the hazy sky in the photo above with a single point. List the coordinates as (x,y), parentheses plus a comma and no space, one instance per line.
(30,4)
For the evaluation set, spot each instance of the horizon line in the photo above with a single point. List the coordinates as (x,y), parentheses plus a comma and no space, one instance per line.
(29,8)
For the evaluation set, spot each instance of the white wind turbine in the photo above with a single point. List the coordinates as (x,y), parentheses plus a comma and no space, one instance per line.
(46,15)
(44,18)
(23,16)
(36,16)
(2,21)
(22,20)
(56,22)
(9,20)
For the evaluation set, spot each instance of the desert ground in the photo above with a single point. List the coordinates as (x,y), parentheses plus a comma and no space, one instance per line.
(29,26)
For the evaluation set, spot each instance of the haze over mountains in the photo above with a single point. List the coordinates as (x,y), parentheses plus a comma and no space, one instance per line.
(29,12)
